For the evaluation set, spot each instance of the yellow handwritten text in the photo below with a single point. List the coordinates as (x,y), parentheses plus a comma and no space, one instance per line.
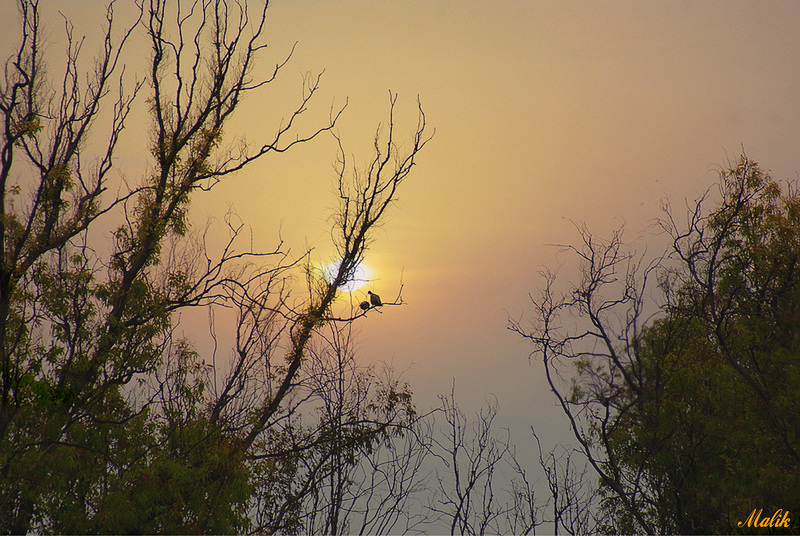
(755,519)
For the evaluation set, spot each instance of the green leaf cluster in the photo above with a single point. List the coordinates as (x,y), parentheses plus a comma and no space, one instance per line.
(714,421)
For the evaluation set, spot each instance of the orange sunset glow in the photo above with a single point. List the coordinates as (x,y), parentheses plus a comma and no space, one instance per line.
(545,118)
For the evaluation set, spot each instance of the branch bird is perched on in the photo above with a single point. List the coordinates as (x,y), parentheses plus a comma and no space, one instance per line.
(374,299)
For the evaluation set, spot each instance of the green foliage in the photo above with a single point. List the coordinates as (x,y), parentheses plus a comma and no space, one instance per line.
(685,398)
(715,419)
(110,422)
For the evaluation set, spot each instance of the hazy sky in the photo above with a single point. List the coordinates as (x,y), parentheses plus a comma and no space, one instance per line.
(545,113)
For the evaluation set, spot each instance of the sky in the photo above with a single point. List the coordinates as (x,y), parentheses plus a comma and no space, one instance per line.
(547,115)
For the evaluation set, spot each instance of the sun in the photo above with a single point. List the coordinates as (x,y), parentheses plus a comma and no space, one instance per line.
(359,279)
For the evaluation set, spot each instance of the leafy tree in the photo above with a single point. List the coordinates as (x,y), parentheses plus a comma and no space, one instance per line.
(110,422)
(687,411)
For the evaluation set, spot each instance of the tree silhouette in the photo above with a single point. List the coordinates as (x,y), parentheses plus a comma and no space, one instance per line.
(110,421)
(683,395)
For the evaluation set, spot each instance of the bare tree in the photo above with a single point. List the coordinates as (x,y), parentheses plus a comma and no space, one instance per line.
(573,498)
(374,450)
(594,326)
(364,199)
(470,496)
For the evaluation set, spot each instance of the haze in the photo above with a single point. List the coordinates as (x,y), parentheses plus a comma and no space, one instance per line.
(546,114)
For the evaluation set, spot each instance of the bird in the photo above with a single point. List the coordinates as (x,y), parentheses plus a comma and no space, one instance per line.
(364,305)
(374,299)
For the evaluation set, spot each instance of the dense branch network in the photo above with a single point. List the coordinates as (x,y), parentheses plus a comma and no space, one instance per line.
(94,375)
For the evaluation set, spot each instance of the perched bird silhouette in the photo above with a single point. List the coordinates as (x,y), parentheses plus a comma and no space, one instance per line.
(374,299)
(364,305)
